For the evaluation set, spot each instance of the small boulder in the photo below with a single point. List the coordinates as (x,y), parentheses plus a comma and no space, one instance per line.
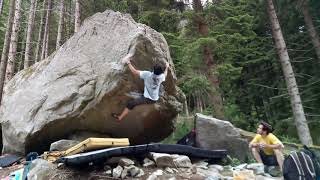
(108,172)
(125,162)
(148,163)
(202,164)
(273,170)
(155,175)
(116,173)
(216,166)
(63,145)
(182,161)
(124,173)
(258,168)
(83,135)
(169,170)
(133,171)
(167,160)
(141,173)
(240,167)
(163,160)
(217,134)
(208,173)
(40,169)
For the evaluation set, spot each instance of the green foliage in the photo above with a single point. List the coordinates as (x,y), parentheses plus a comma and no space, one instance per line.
(228,75)
(288,139)
(163,21)
(183,126)
(245,58)
(151,18)
(196,85)
(235,162)
(169,21)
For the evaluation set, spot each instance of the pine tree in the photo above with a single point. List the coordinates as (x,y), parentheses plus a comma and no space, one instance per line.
(13,42)
(32,11)
(40,33)
(60,25)
(209,61)
(310,27)
(4,55)
(1,6)
(45,40)
(77,16)
(296,104)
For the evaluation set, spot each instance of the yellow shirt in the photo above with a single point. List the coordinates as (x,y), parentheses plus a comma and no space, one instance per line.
(269,139)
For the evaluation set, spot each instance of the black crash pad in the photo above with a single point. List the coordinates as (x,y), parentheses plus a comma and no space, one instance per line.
(98,155)
(8,159)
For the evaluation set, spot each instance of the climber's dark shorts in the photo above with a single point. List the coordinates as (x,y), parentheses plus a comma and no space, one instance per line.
(141,100)
(269,160)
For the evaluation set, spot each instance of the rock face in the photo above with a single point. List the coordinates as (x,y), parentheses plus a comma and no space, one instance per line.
(214,134)
(81,84)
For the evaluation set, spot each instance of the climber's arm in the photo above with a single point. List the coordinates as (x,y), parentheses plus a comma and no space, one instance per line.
(133,69)
(166,70)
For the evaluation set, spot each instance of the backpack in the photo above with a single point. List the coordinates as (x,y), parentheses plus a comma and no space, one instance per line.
(298,166)
(315,159)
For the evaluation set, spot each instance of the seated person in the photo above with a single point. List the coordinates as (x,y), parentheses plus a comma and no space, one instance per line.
(266,147)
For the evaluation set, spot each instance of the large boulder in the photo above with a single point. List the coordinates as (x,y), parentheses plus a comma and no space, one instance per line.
(215,134)
(81,84)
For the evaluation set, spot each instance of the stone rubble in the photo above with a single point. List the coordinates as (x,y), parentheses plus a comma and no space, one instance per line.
(167,166)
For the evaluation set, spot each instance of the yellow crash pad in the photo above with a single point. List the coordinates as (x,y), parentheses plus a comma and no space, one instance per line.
(97,143)
(53,155)
(87,145)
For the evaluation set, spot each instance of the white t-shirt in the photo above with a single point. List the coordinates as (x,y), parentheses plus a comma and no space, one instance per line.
(151,84)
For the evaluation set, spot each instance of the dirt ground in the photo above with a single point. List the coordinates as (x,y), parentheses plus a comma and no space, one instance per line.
(93,173)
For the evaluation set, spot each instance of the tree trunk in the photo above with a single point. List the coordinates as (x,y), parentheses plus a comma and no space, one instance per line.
(185,107)
(32,11)
(77,17)
(13,42)
(70,20)
(6,43)
(40,32)
(21,60)
(47,46)
(310,27)
(46,32)
(200,104)
(60,26)
(1,6)
(296,104)
(209,61)
(4,55)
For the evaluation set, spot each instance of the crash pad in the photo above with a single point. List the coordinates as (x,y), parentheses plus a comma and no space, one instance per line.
(83,159)
(97,143)
(52,156)
(8,159)
(87,145)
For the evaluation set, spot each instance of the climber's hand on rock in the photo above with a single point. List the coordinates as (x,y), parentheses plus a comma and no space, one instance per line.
(127,59)
(167,65)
